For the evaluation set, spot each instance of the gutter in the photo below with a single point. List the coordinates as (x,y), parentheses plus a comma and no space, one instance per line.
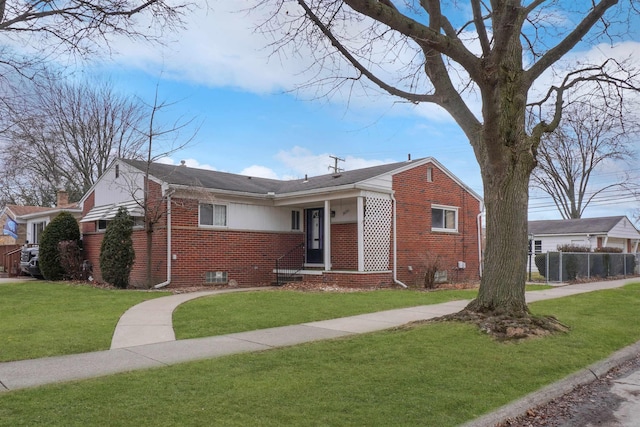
(479,223)
(168,281)
(395,247)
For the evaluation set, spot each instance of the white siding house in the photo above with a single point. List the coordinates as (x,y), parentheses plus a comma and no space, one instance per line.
(593,233)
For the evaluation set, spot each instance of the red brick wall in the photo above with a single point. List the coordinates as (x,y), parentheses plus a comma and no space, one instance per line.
(344,246)
(354,280)
(92,240)
(417,242)
(249,257)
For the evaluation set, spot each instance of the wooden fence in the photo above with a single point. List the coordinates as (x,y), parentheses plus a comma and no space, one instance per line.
(10,259)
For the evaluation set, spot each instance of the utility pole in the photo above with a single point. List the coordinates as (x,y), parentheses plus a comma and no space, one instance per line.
(335,167)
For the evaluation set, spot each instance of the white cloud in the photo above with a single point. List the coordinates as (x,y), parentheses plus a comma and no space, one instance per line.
(259,172)
(302,161)
(192,163)
(219,47)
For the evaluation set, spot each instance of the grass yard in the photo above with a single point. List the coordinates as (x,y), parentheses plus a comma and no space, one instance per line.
(438,374)
(248,311)
(40,319)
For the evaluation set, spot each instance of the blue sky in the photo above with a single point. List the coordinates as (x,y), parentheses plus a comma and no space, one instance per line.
(253,121)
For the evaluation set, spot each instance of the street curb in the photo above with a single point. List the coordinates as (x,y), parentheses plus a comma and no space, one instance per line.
(557,389)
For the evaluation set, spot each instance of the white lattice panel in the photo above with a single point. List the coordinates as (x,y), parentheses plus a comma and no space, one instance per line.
(377,232)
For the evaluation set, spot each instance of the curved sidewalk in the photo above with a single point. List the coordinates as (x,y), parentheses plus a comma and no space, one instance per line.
(150,322)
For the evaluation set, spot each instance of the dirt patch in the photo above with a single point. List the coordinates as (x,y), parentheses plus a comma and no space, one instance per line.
(324,287)
(504,327)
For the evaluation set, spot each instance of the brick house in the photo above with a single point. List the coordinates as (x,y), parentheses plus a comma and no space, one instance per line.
(23,225)
(376,225)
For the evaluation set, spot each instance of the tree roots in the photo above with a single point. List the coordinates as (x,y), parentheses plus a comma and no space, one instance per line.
(505,327)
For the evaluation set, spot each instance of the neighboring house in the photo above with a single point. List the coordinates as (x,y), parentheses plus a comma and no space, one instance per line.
(372,226)
(23,225)
(612,231)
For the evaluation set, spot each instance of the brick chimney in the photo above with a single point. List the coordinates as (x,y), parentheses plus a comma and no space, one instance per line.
(62,198)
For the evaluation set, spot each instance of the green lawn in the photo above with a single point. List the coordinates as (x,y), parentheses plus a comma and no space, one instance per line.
(40,319)
(247,311)
(439,374)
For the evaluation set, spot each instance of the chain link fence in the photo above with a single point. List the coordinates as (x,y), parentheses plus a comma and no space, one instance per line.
(567,266)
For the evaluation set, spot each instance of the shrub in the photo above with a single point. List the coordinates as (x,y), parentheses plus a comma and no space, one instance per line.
(573,248)
(62,227)
(71,259)
(116,252)
(432,264)
(609,250)
(541,263)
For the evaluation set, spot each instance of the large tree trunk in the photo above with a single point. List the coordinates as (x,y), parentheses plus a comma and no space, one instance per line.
(503,282)
(506,155)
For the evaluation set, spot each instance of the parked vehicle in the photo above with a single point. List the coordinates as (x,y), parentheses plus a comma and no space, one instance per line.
(29,262)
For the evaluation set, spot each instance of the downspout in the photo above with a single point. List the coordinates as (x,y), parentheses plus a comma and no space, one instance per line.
(168,281)
(479,222)
(395,247)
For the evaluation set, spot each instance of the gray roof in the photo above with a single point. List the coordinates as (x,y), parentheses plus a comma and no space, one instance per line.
(186,176)
(575,226)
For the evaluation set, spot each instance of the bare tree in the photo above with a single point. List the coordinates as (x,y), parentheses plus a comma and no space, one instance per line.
(423,52)
(65,135)
(36,31)
(160,141)
(588,139)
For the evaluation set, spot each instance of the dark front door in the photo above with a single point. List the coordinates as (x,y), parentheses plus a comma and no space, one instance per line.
(315,232)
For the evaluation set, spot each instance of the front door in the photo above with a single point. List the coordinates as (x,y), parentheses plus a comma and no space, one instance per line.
(315,234)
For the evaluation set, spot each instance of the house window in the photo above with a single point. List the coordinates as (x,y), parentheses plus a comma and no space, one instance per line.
(213,215)
(537,246)
(429,174)
(216,277)
(295,220)
(138,221)
(117,171)
(444,218)
(36,231)
(101,224)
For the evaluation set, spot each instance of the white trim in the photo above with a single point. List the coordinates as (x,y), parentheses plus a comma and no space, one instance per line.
(327,235)
(360,227)
(210,226)
(445,208)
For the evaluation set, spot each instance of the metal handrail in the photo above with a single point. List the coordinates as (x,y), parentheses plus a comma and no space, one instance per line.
(289,264)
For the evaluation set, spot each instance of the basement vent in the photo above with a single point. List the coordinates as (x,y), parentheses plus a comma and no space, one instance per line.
(216,277)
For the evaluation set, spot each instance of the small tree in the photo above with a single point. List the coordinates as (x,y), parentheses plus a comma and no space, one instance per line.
(71,259)
(431,264)
(116,252)
(62,227)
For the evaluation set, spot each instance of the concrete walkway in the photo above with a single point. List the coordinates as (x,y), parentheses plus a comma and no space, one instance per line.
(144,338)
(151,321)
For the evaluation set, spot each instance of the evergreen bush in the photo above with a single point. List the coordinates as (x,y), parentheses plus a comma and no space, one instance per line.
(62,227)
(116,251)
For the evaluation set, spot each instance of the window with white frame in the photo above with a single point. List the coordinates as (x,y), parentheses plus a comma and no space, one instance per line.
(537,246)
(213,215)
(36,231)
(444,218)
(295,220)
